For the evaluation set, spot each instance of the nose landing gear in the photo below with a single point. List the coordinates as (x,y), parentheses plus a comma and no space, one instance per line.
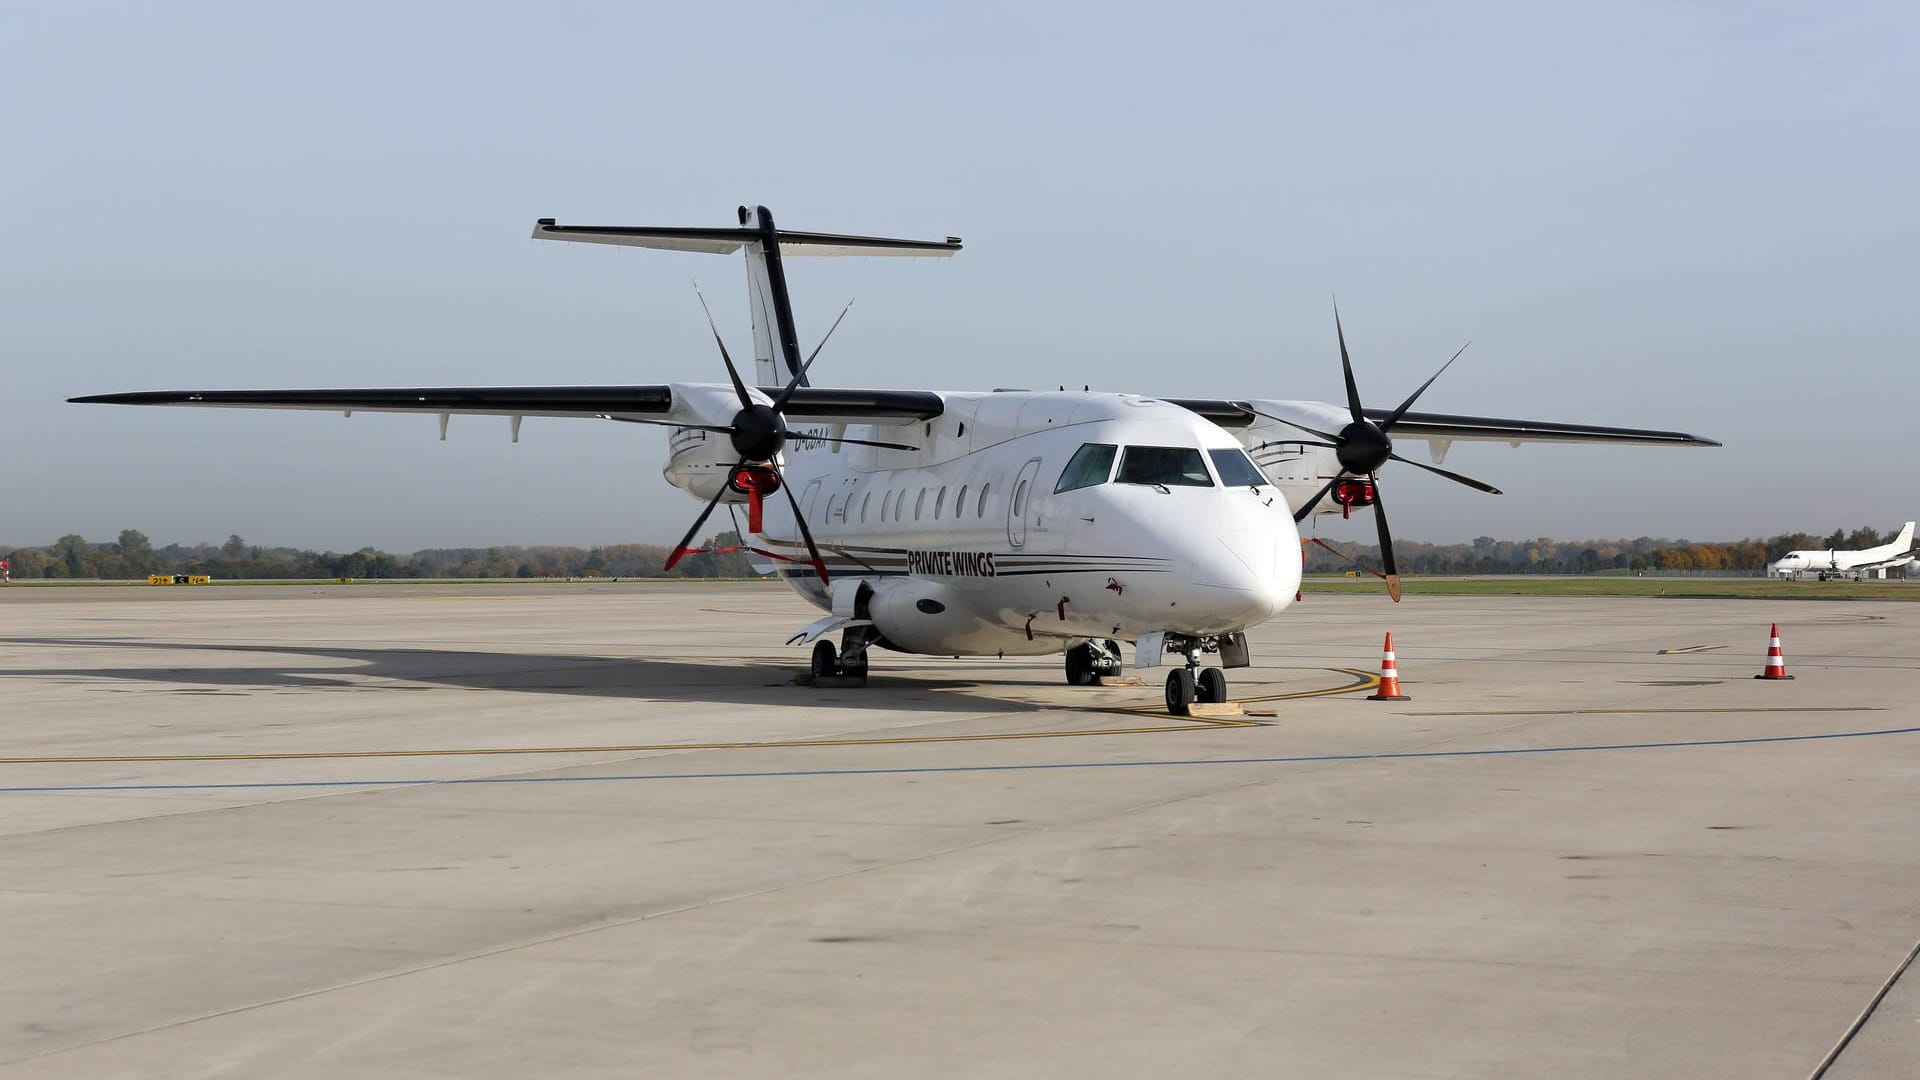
(1185,689)
(1193,684)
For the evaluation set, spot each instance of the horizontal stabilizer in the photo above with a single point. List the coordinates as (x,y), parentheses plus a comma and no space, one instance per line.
(728,241)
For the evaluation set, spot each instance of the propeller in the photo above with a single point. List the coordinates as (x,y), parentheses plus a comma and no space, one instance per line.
(1343,556)
(758,434)
(1363,447)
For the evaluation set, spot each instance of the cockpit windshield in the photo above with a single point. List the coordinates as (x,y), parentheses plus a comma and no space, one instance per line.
(1234,468)
(1090,466)
(1168,466)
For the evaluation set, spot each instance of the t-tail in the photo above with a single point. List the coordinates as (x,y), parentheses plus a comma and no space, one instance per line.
(776,342)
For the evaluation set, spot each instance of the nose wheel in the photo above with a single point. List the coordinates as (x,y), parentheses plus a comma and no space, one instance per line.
(1211,686)
(1180,691)
(1184,689)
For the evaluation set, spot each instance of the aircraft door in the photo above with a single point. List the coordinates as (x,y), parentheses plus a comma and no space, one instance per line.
(807,499)
(1019,501)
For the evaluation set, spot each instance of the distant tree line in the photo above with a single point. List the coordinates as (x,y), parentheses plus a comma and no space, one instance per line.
(132,557)
(1544,555)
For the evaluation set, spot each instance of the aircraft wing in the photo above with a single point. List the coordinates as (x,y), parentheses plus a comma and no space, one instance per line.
(1437,427)
(809,403)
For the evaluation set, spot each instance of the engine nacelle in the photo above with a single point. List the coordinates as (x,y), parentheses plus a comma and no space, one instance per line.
(700,462)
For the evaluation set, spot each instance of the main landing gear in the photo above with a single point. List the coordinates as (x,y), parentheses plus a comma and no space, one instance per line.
(1091,660)
(847,663)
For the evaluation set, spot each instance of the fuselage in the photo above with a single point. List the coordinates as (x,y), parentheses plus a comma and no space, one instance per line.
(1836,562)
(1027,521)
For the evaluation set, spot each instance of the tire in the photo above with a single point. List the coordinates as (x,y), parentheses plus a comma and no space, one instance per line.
(1080,666)
(1212,686)
(1114,666)
(826,661)
(1180,692)
(856,669)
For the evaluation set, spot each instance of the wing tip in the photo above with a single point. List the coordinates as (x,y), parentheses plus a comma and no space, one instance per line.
(138,397)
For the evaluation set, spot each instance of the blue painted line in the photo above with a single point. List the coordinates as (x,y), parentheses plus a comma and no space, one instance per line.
(1303,759)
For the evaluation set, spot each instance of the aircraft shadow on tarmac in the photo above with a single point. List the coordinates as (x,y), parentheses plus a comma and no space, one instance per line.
(735,681)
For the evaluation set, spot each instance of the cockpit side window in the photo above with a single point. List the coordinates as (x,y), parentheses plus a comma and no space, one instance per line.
(1168,466)
(1090,467)
(1235,470)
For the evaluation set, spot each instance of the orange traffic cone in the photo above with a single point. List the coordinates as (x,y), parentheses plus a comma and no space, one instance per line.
(1776,663)
(1389,677)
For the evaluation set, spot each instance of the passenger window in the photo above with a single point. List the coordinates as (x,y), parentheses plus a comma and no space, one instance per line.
(982,512)
(960,502)
(1091,465)
(1235,470)
(1020,499)
(919,503)
(1168,466)
(939,501)
(886,506)
(863,506)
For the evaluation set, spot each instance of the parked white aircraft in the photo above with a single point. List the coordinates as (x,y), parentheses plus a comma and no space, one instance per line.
(1010,522)
(1853,564)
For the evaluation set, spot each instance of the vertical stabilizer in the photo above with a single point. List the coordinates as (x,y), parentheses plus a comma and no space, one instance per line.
(1904,542)
(776,345)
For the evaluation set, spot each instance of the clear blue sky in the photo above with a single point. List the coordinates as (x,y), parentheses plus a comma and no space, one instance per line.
(1698,218)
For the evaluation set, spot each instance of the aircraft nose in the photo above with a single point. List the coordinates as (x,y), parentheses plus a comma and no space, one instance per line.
(1253,570)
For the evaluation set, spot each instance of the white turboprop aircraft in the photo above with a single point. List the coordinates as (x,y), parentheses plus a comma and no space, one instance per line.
(1854,564)
(966,523)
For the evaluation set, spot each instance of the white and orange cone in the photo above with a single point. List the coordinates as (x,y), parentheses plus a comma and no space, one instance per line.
(1389,677)
(1776,662)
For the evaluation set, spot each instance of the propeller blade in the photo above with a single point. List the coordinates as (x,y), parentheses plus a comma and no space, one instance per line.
(1453,476)
(673,424)
(1387,424)
(1333,440)
(1342,555)
(739,388)
(1346,367)
(1386,543)
(1301,514)
(819,564)
(683,549)
(781,401)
